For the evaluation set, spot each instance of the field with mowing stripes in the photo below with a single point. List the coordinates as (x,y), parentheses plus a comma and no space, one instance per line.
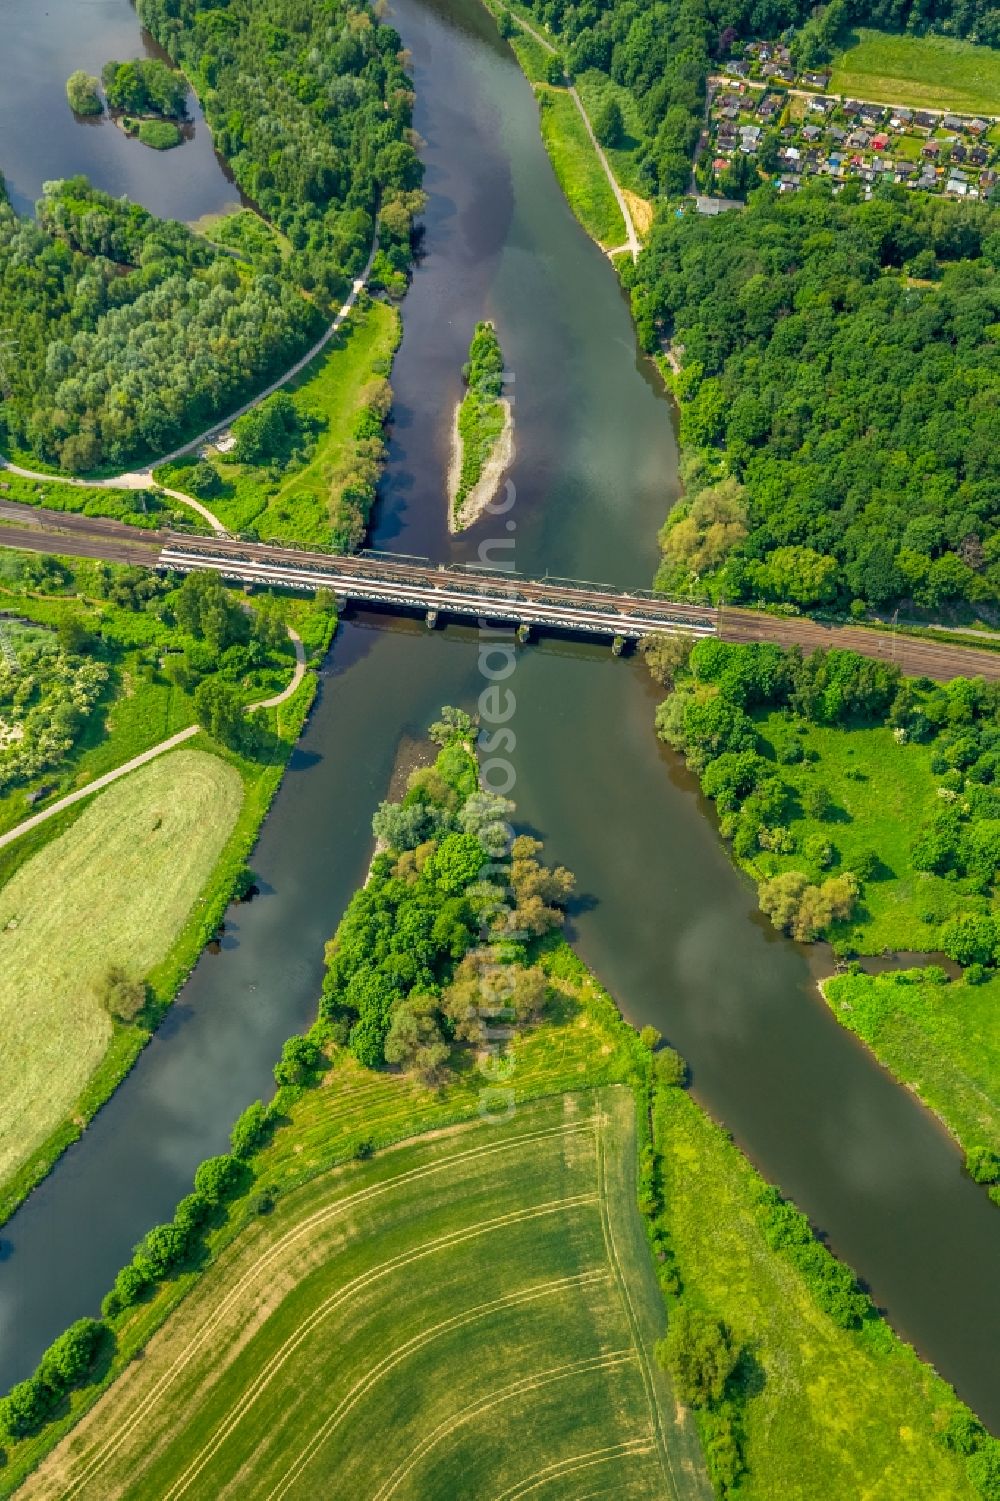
(468,1315)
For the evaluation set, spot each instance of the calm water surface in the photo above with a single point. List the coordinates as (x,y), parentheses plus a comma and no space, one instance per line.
(41,43)
(663,918)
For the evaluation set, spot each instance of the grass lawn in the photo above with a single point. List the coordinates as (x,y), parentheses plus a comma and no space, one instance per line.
(941,1040)
(594,87)
(470,1313)
(834,1413)
(297,505)
(115,888)
(881,793)
(931,71)
(580,174)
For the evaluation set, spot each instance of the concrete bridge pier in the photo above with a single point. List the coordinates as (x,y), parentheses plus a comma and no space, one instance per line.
(523,633)
(432,619)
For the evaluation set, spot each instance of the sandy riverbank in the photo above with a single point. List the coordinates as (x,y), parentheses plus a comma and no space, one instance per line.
(496,466)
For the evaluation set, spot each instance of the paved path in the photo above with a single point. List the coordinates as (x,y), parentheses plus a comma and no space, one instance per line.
(142,479)
(154,751)
(632,242)
(297,676)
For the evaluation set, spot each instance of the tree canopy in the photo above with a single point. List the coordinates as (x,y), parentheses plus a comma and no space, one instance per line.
(851,406)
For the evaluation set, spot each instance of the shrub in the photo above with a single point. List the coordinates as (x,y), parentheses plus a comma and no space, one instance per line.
(25,1407)
(81,91)
(215,1179)
(650,1038)
(983,1165)
(669,1068)
(555,72)
(609,125)
(160,134)
(249,1130)
(69,1358)
(699,1354)
(299,1056)
(122,997)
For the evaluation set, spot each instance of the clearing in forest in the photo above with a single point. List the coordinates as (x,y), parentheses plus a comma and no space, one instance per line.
(114,889)
(470,1315)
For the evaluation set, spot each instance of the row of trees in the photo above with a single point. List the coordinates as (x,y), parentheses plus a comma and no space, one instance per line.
(432,952)
(838,390)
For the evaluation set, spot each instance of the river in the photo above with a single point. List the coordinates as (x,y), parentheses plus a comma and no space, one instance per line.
(665,921)
(43,42)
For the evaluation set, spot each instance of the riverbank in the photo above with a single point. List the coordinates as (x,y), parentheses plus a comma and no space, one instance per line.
(203,912)
(941,1039)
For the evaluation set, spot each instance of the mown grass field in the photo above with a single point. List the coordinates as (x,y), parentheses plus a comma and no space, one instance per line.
(581,176)
(468,1315)
(296,506)
(931,71)
(115,888)
(834,1413)
(941,1040)
(881,793)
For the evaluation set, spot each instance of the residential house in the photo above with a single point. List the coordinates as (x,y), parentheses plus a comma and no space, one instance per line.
(880,142)
(925,121)
(817,80)
(953,122)
(931,149)
(978,156)
(860,139)
(977,127)
(811,132)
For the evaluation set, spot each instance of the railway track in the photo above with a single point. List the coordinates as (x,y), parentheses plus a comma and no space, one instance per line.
(470,591)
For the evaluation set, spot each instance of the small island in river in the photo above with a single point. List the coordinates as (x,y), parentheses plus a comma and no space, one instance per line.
(482,445)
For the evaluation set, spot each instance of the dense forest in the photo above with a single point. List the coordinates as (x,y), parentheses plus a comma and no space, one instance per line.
(310,105)
(840,375)
(130,329)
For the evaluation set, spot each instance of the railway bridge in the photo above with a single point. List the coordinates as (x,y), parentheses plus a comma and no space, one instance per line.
(454,589)
(473,592)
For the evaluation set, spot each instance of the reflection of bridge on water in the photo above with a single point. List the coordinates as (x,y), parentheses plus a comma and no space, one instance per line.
(454,589)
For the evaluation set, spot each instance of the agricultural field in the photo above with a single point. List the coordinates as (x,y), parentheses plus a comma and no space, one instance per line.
(576,164)
(940,1038)
(299,502)
(932,72)
(469,1314)
(114,889)
(828,1412)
